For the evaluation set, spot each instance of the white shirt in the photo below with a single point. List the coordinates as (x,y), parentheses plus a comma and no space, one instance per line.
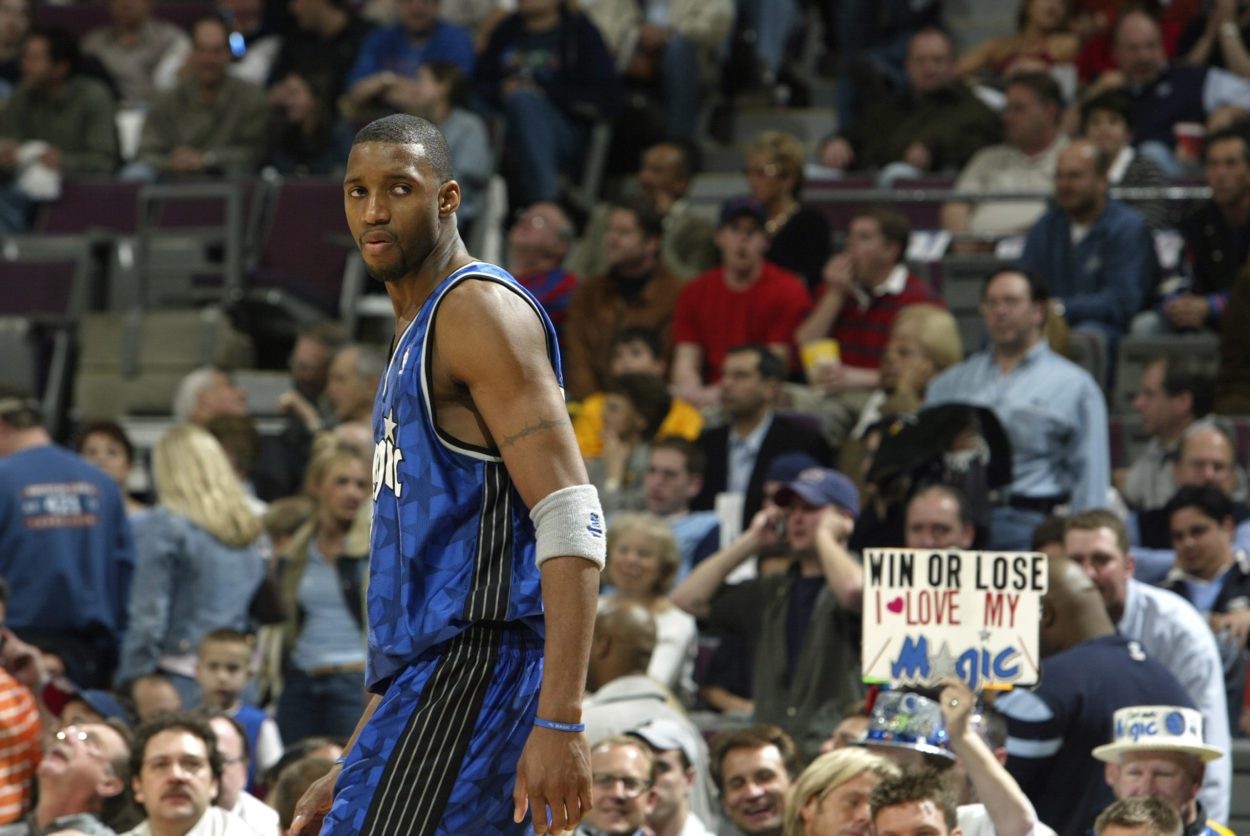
(694,826)
(1120,164)
(974,820)
(1005,168)
(672,661)
(1171,631)
(259,816)
(894,284)
(214,822)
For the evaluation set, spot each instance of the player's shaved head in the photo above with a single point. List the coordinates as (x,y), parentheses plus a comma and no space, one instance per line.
(1073,609)
(406,129)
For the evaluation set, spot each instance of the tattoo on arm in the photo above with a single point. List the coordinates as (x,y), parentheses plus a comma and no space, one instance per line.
(539,426)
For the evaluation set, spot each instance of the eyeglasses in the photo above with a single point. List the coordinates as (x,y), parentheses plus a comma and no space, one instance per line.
(767,170)
(631,787)
(189,765)
(90,741)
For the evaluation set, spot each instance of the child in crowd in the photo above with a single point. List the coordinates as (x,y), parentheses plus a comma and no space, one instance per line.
(223,668)
(153,694)
(634,351)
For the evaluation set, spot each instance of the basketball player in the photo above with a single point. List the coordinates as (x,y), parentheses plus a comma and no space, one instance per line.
(487,541)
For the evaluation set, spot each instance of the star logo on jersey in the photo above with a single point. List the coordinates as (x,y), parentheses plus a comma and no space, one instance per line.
(386,459)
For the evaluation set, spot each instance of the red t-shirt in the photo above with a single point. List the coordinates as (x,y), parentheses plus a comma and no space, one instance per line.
(716,318)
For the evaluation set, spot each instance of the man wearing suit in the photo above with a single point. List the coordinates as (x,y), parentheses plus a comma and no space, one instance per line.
(738,453)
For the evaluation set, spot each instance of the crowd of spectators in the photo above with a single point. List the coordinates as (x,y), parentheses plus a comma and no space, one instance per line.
(759,396)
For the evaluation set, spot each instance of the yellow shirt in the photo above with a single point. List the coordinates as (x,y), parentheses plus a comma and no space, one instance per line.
(682,420)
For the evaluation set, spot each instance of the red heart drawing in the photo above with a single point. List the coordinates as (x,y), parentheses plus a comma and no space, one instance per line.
(895,606)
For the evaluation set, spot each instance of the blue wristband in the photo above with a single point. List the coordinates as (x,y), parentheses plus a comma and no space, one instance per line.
(554,726)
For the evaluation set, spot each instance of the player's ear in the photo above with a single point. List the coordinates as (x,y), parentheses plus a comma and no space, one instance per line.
(448,198)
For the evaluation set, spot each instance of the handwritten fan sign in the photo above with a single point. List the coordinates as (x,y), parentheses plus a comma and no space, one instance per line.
(930,614)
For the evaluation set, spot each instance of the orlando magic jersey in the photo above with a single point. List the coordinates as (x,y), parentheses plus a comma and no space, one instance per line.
(452,541)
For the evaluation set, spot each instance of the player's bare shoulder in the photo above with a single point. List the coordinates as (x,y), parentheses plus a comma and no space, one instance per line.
(483,324)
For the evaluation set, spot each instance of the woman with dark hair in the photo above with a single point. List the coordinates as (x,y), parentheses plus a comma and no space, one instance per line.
(106,445)
(1043,38)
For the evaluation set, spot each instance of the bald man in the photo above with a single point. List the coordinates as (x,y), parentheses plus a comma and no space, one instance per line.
(625,698)
(1088,671)
(1095,254)
(1205,455)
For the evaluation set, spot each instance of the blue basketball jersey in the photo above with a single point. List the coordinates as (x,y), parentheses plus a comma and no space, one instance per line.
(452,541)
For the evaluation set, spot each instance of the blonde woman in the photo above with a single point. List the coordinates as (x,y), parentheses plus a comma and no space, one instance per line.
(642,564)
(322,572)
(831,795)
(799,237)
(198,562)
(924,340)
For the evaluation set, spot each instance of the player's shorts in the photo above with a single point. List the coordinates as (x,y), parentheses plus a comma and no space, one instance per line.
(439,754)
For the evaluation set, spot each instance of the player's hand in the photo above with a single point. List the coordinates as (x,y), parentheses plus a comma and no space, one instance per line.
(553,775)
(313,805)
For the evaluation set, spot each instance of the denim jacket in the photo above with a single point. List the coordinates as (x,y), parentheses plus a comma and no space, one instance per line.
(186,583)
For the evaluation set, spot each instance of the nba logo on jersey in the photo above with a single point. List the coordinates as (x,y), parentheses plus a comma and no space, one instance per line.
(386,459)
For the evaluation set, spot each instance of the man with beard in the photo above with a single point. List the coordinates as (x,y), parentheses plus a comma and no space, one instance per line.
(638,291)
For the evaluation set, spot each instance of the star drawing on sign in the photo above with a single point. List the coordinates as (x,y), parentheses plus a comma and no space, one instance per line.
(942,663)
(985,635)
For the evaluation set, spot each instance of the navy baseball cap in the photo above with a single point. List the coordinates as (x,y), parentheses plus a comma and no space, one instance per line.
(743,207)
(60,692)
(786,467)
(821,486)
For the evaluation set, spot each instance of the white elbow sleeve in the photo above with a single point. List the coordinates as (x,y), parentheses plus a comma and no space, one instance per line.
(569,523)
